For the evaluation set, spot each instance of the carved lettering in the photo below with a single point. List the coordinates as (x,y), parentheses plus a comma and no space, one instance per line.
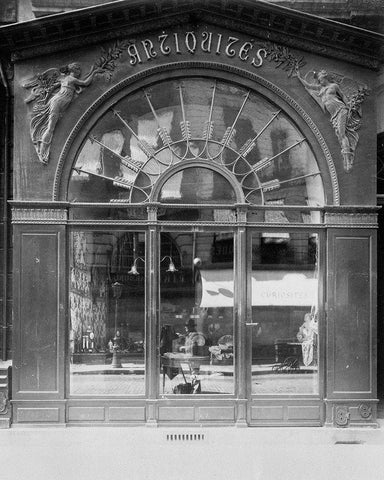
(244,51)
(164,49)
(190,42)
(206,42)
(149,49)
(209,42)
(53,90)
(259,57)
(176,36)
(230,51)
(134,54)
(218,44)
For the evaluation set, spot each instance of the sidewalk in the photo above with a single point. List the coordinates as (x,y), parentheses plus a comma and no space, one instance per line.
(226,453)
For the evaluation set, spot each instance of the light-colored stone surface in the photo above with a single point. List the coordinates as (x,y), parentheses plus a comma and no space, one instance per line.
(225,453)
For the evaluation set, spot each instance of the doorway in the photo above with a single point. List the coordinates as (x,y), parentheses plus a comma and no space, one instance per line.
(196,310)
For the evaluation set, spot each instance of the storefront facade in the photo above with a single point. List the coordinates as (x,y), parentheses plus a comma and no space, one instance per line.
(194,219)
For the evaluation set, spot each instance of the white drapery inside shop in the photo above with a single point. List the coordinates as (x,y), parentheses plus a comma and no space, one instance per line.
(269,288)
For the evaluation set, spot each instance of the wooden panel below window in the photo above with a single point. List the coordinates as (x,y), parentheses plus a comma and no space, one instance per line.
(177,413)
(267,413)
(303,412)
(90,414)
(217,413)
(38,415)
(126,414)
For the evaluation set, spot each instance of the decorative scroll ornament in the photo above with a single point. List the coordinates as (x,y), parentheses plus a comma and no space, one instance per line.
(3,403)
(53,90)
(342,98)
(365,410)
(342,416)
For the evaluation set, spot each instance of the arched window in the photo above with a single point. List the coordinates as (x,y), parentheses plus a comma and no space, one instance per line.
(146,133)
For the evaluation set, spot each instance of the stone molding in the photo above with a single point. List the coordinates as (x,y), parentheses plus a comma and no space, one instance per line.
(355,220)
(265,20)
(39,216)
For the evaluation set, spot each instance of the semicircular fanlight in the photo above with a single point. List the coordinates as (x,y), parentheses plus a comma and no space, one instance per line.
(175,121)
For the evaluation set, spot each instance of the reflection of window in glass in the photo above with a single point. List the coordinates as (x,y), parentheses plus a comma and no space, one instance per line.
(198,119)
(275,250)
(106,334)
(196,317)
(197,185)
(282,166)
(284,297)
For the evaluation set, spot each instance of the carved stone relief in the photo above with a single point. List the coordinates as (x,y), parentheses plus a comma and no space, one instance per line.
(3,403)
(365,410)
(52,91)
(342,416)
(341,97)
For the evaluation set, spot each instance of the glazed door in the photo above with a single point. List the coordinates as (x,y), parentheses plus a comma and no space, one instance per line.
(196,314)
(283,324)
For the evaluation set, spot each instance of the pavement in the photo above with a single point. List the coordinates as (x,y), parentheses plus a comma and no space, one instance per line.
(222,453)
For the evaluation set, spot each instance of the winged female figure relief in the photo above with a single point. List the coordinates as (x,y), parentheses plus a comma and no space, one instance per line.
(51,93)
(341,98)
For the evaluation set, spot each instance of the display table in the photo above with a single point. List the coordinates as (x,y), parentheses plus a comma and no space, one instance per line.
(287,348)
(175,363)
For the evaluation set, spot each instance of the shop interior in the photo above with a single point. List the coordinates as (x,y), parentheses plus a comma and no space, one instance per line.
(196,329)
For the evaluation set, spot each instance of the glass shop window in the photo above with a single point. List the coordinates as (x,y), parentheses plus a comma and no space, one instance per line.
(107,313)
(285,331)
(196,314)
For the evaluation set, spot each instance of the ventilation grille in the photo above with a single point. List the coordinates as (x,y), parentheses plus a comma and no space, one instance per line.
(349,442)
(185,437)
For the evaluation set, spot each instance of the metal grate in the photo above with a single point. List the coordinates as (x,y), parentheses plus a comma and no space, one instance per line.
(185,437)
(349,442)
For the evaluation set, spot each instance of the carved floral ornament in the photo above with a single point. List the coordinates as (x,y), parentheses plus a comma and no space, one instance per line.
(52,91)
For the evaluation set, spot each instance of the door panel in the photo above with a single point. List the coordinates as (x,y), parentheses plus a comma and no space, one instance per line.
(283,318)
(196,338)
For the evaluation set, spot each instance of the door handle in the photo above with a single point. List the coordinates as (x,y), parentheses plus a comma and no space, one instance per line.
(251,324)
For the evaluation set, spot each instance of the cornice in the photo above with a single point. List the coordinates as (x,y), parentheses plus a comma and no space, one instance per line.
(126,18)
